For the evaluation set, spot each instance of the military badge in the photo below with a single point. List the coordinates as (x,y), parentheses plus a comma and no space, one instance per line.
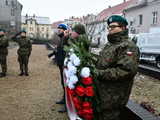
(129,53)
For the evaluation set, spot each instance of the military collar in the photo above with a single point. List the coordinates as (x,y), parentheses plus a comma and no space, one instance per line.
(118,37)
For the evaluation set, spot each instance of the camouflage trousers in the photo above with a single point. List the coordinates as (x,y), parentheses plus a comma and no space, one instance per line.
(23,63)
(3,62)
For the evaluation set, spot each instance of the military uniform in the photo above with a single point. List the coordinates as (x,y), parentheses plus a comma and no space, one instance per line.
(3,54)
(59,57)
(117,65)
(24,51)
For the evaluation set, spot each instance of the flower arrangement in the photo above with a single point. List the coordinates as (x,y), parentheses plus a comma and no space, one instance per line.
(80,77)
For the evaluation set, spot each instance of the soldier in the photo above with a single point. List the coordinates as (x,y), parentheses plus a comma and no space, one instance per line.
(60,56)
(24,51)
(117,65)
(3,52)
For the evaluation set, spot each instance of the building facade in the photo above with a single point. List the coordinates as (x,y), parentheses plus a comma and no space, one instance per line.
(97,26)
(37,27)
(144,17)
(10,15)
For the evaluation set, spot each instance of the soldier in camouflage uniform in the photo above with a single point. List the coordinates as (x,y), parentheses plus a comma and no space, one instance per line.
(117,65)
(24,51)
(3,52)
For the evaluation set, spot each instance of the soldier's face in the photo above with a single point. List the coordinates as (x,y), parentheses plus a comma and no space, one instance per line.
(23,34)
(114,28)
(60,31)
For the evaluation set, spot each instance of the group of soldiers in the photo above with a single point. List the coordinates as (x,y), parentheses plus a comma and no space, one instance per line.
(116,65)
(24,51)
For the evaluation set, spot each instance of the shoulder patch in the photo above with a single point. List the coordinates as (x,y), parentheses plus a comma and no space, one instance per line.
(129,53)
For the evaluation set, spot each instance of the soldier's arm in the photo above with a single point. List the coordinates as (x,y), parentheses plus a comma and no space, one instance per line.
(126,66)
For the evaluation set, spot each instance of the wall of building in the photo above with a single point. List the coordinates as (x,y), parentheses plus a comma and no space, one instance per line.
(10,15)
(147,13)
(35,30)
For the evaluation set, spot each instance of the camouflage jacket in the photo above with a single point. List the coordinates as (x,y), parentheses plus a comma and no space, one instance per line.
(3,45)
(25,46)
(117,65)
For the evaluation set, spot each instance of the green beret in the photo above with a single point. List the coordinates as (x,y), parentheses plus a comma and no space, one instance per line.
(117,18)
(79,28)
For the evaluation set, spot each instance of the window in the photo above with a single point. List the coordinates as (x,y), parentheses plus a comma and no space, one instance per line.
(140,19)
(131,23)
(42,28)
(6,2)
(12,12)
(155,18)
(47,29)
(12,3)
(31,29)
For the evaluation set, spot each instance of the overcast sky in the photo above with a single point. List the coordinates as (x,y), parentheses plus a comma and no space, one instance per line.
(60,9)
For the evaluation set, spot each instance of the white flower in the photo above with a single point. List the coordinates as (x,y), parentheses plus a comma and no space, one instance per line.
(65,61)
(69,64)
(71,50)
(71,86)
(72,57)
(76,61)
(72,70)
(85,72)
(73,79)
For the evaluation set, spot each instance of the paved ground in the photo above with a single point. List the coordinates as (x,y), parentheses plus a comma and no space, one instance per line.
(146,89)
(33,97)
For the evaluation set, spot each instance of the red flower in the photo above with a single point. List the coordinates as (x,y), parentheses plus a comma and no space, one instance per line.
(87,80)
(88,114)
(77,103)
(88,117)
(89,91)
(80,90)
(88,111)
(70,91)
(78,106)
(76,100)
(80,113)
(86,105)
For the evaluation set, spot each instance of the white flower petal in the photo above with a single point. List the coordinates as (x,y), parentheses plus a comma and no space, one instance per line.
(71,86)
(73,79)
(76,61)
(85,72)
(72,57)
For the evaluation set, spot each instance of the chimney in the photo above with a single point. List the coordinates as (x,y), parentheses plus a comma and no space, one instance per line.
(124,1)
(109,6)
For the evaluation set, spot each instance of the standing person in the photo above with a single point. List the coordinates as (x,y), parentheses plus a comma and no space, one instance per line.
(24,51)
(117,65)
(3,52)
(60,56)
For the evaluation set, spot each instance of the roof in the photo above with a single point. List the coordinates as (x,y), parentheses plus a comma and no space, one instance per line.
(118,9)
(39,20)
(55,24)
